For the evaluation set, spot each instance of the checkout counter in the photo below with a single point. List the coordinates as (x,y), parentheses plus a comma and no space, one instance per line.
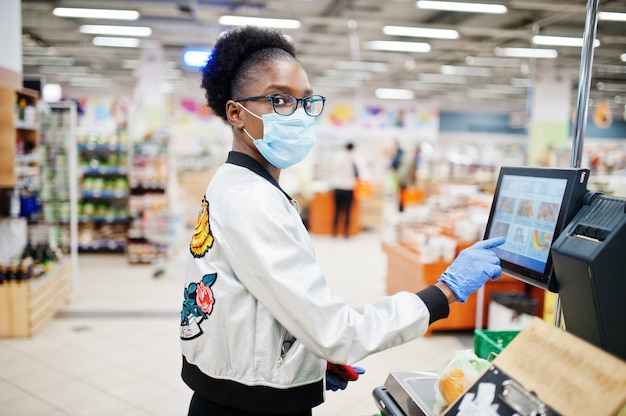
(584,265)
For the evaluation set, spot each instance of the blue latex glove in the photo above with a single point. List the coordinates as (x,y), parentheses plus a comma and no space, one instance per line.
(472,268)
(337,380)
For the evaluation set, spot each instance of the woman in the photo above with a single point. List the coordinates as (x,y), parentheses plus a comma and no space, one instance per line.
(258,321)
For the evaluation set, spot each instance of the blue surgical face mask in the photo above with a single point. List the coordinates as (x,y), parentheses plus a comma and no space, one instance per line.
(286,140)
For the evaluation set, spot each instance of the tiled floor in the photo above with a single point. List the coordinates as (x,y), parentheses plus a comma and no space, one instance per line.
(114,349)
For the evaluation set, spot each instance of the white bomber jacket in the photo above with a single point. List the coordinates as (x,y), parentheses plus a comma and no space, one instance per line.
(258,320)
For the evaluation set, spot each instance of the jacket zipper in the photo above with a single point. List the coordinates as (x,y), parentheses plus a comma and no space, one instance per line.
(287,341)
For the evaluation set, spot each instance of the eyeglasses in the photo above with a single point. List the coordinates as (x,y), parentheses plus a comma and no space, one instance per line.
(286,104)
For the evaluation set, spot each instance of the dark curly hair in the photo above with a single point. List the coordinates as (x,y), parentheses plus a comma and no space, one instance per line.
(239,57)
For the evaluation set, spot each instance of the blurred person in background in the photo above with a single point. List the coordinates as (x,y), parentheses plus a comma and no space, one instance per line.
(344,176)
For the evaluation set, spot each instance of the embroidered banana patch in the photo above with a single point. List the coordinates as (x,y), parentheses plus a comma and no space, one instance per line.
(202,239)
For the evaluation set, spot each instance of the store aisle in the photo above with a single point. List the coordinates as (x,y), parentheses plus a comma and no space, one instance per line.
(114,350)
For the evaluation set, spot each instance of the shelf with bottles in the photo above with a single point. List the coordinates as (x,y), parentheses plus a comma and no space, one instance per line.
(103,164)
(104,161)
(102,211)
(101,142)
(102,154)
(33,287)
(37,260)
(104,187)
(103,207)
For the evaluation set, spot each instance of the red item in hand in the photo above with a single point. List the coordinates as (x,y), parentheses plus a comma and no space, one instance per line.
(344,372)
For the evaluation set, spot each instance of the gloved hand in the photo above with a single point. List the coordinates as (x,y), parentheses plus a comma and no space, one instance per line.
(472,268)
(338,375)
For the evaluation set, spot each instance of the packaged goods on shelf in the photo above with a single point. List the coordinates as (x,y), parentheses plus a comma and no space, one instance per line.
(443,225)
(104,190)
(149,230)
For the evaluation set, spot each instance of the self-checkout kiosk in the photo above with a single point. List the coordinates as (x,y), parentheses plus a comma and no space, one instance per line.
(565,239)
(559,237)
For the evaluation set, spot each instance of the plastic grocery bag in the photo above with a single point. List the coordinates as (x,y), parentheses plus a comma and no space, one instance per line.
(455,376)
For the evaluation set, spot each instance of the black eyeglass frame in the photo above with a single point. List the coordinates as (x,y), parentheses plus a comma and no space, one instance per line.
(295,107)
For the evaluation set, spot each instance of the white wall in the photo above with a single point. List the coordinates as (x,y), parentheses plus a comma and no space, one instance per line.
(11,39)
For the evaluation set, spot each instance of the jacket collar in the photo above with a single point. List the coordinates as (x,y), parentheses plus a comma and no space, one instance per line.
(243,160)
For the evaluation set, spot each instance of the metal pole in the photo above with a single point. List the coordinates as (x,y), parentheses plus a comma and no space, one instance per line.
(355,49)
(584,81)
(582,105)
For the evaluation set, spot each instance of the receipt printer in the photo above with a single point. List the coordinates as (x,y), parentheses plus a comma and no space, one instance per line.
(589,260)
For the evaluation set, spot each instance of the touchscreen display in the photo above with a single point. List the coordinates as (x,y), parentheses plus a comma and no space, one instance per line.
(526,214)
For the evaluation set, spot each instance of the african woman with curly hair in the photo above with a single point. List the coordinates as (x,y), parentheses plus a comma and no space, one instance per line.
(260,329)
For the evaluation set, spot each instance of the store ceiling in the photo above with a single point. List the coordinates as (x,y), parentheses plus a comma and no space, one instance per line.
(334,34)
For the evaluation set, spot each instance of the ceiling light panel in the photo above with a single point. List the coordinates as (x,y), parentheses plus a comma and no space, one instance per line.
(142,31)
(526,52)
(453,6)
(561,41)
(96,13)
(383,45)
(612,16)
(116,42)
(465,70)
(394,94)
(496,62)
(420,32)
(259,21)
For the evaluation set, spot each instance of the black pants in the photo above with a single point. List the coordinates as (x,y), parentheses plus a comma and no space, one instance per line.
(343,206)
(201,407)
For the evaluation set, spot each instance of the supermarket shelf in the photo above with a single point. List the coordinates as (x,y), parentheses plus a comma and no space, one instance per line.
(105,170)
(104,245)
(102,147)
(148,178)
(104,194)
(148,186)
(110,220)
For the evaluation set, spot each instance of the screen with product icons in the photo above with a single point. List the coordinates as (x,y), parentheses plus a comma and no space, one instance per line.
(530,208)
(526,212)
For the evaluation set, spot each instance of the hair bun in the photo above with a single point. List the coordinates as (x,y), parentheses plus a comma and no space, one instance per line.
(231,52)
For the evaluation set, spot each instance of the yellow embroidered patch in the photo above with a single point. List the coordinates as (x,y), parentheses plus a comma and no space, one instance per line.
(202,239)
